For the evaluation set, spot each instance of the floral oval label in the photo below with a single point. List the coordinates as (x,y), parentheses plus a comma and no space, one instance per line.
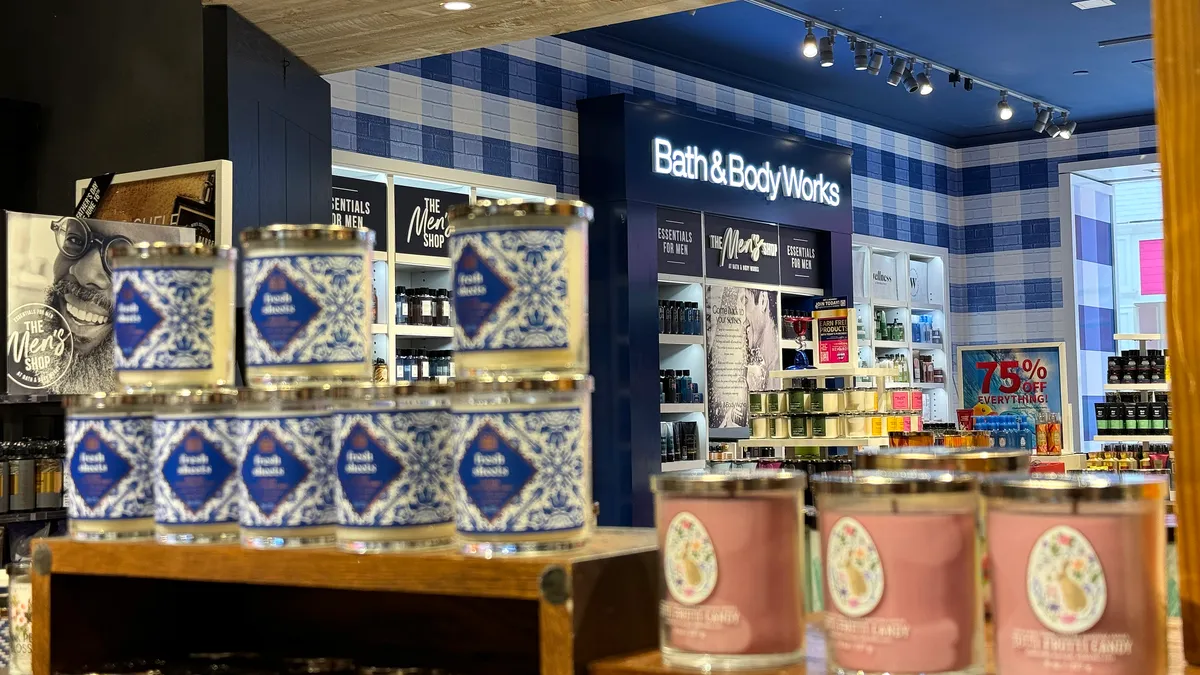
(1065,581)
(853,569)
(689,560)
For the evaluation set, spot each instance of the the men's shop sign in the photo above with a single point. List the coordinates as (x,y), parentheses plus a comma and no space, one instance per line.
(679,243)
(741,250)
(732,170)
(421,219)
(361,203)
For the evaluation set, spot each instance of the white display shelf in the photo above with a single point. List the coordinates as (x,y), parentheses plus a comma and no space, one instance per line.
(889,304)
(680,408)
(1149,438)
(379,328)
(841,371)
(679,279)
(421,262)
(889,344)
(1138,337)
(928,346)
(925,309)
(686,465)
(811,443)
(411,331)
(1158,386)
(916,385)
(680,339)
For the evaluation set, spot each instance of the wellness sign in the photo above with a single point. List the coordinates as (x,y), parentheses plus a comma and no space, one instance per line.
(1017,378)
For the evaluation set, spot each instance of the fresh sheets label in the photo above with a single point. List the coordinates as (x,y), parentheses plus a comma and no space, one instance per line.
(305,309)
(287,472)
(521,471)
(394,468)
(163,318)
(510,289)
(196,460)
(109,467)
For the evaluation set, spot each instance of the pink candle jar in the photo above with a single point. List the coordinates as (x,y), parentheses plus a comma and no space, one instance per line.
(901,572)
(1078,574)
(732,556)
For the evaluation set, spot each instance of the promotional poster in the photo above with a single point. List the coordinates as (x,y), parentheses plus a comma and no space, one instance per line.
(58,298)
(1026,380)
(185,200)
(743,348)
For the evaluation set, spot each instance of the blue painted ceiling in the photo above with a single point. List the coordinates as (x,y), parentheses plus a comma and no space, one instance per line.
(1032,46)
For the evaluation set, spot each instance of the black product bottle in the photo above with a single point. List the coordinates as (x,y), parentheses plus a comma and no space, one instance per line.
(422,365)
(427,317)
(443,307)
(4,484)
(49,470)
(401,305)
(661,314)
(670,389)
(1102,417)
(21,470)
(662,386)
(662,443)
(1130,415)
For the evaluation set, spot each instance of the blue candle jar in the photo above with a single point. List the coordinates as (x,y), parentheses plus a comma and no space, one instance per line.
(286,471)
(197,436)
(173,314)
(523,475)
(307,291)
(110,488)
(394,467)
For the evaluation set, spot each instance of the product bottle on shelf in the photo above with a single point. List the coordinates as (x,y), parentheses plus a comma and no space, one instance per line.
(443,313)
(401,305)
(661,316)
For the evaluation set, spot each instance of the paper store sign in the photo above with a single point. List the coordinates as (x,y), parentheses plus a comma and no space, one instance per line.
(421,219)
(1013,379)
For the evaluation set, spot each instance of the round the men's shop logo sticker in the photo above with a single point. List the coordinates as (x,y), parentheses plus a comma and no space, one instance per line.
(1065,581)
(689,560)
(853,569)
(40,348)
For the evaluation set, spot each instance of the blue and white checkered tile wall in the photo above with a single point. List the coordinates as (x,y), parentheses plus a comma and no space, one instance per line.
(510,111)
(1092,207)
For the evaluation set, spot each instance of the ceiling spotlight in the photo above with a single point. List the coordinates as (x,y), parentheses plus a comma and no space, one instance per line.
(827,50)
(1005,110)
(862,54)
(876,63)
(1053,130)
(810,42)
(955,78)
(1043,118)
(968,84)
(910,82)
(898,68)
(923,83)
(1066,129)
(456,6)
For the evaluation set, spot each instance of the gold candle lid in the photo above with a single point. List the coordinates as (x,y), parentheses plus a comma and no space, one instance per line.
(157,250)
(109,400)
(548,381)
(892,483)
(726,484)
(941,459)
(1071,488)
(372,391)
(315,232)
(484,208)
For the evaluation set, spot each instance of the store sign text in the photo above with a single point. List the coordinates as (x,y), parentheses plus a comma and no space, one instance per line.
(732,170)
(731,245)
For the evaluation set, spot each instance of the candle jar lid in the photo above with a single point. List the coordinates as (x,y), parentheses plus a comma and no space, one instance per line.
(109,401)
(504,382)
(283,393)
(186,398)
(872,483)
(1087,487)
(158,250)
(941,459)
(727,484)
(316,232)
(371,391)
(485,208)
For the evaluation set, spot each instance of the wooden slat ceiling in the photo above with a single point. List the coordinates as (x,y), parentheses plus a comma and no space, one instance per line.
(338,35)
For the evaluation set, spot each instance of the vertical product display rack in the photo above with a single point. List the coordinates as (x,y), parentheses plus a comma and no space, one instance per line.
(1145,392)
(685,352)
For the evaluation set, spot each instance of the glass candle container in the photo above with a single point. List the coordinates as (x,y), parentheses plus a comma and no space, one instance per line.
(197,438)
(799,401)
(756,403)
(523,463)
(826,426)
(307,292)
(1078,574)
(828,401)
(901,572)
(110,442)
(801,426)
(519,275)
(856,426)
(778,402)
(781,426)
(394,467)
(731,548)
(20,618)
(760,427)
(287,468)
(862,400)
(173,314)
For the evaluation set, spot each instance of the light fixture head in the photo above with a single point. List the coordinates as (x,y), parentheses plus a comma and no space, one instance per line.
(862,55)
(810,42)
(456,5)
(1043,118)
(910,81)
(1068,128)
(1053,130)
(876,63)
(924,85)
(968,84)
(827,50)
(1003,108)
(898,68)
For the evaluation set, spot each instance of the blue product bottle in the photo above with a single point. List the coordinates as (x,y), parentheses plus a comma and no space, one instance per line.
(696,398)
(685,388)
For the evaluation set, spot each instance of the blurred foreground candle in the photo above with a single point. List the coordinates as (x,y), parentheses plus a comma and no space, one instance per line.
(732,558)
(1078,574)
(902,572)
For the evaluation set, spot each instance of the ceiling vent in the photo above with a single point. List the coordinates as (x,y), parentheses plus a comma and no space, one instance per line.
(1093,4)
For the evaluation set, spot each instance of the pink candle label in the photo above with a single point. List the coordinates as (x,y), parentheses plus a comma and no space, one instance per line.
(1065,581)
(901,591)
(690,560)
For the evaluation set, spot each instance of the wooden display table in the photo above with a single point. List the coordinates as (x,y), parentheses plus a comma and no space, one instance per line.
(554,614)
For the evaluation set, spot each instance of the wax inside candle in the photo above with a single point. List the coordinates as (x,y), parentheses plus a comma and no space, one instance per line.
(903,597)
(1076,570)
(746,598)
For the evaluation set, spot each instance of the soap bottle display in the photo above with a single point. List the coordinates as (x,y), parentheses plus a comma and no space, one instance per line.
(402,315)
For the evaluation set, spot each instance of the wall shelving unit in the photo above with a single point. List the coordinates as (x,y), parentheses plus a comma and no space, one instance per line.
(1145,392)
(685,352)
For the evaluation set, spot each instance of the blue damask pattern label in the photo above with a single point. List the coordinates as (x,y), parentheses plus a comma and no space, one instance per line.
(287,471)
(510,289)
(305,309)
(109,467)
(521,472)
(195,463)
(163,318)
(394,468)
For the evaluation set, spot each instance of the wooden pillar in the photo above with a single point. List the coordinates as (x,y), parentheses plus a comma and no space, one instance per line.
(1177,75)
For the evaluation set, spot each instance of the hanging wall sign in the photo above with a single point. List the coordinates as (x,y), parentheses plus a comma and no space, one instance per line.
(800,257)
(361,203)
(741,250)
(679,245)
(421,219)
(1025,381)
